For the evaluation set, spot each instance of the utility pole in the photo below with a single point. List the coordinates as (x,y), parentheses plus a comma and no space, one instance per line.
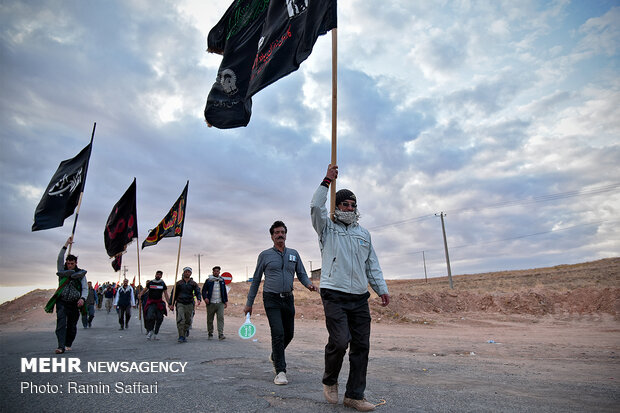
(424,259)
(445,245)
(198,255)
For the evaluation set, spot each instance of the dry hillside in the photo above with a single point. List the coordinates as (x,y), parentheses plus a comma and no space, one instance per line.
(560,291)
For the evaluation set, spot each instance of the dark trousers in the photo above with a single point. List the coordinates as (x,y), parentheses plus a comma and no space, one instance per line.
(67,316)
(87,318)
(281,315)
(153,318)
(347,318)
(124,314)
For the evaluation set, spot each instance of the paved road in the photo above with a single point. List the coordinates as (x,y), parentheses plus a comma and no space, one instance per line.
(234,375)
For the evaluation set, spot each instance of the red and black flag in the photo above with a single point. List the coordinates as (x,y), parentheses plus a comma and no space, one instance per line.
(63,192)
(289,33)
(172,224)
(122,225)
(235,36)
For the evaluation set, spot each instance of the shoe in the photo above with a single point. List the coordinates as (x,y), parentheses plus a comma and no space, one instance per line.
(90,325)
(149,335)
(182,339)
(155,337)
(222,337)
(122,328)
(210,337)
(187,333)
(359,405)
(59,350)
(126,326)
(280,379)
(67,348)
(331,393)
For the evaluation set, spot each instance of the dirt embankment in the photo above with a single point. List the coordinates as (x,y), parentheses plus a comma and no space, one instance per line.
(560,291)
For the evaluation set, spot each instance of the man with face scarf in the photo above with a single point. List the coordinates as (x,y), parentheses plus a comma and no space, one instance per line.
(349,264)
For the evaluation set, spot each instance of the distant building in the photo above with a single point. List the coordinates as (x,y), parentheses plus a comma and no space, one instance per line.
(315,275)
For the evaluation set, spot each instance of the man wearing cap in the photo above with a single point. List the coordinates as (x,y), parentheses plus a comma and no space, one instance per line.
(216,299)
(183,296)
(349,264)
(279,264)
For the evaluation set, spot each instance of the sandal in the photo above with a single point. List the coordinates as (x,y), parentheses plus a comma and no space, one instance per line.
(59,350)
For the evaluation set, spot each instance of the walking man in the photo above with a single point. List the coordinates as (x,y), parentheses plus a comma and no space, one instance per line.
(349,264)
(183,295)
(123,301)
(279,264)
(68,299)
(91,301)
(108,296)
(155,308)
(216,299)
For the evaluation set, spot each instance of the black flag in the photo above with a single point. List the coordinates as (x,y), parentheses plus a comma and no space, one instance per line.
(63,192)
(235,36)
(122,224)
(172,224)
(289,33)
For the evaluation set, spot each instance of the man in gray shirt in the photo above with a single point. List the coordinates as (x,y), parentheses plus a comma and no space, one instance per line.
(279,264)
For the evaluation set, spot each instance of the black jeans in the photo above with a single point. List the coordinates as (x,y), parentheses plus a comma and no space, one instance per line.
(153,318)
(87,318)
(67,316)
(281,315)
(347,318)
(124,314)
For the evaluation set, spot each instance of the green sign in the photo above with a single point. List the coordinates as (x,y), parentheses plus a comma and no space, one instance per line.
(247,329)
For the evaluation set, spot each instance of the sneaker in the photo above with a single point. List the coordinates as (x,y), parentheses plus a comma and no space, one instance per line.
(181,339)
(187,333)
(155,337)
(280,379)
(149,335)
(222,337)
(359,405)
(122,328)
(210,337)
(331,393)
(67,348)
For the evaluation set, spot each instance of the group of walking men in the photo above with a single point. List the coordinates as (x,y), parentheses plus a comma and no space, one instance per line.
(349,265)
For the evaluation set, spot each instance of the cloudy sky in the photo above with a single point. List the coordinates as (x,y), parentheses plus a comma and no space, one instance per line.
(504,115)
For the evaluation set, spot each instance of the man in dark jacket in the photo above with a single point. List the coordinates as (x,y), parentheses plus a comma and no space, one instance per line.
(124,300)
(183,296)
(216,299)
(155,308)
(68,299)
(91,302)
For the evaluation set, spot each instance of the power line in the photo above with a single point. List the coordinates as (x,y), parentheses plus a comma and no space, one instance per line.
(504,239)
(518,202)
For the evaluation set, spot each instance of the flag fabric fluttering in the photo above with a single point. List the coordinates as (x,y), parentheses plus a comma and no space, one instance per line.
(289,33)
(235,36)
(122,225)
(117,262)
(172,224)
(63,192)
(262,41)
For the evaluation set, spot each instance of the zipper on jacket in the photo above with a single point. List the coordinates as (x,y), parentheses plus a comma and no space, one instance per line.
(331,269)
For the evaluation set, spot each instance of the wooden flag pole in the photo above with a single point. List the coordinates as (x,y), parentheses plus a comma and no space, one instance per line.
(334,159)
(139,295)
(176,273)
(77,211)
